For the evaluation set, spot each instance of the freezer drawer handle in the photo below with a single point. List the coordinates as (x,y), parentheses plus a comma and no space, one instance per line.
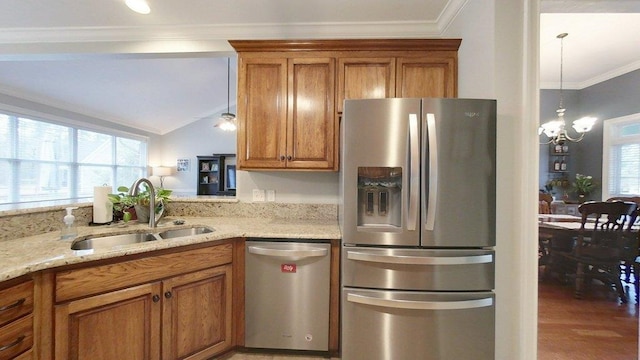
(421,260)
(298,254)
(420,305)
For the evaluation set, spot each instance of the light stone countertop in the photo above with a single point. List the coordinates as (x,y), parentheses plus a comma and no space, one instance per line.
(39,252)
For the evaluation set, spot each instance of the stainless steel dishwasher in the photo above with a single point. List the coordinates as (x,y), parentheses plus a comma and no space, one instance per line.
(287,294)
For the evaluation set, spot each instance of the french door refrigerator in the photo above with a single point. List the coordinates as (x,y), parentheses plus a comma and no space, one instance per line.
(417,214)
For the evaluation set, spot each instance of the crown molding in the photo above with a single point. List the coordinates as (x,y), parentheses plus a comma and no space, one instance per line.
(219,32)
(594,80)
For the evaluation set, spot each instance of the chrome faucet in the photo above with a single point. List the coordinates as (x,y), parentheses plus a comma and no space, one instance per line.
(133,191)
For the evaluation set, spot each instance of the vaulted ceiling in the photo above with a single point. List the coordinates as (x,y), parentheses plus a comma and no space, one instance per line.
(161,71)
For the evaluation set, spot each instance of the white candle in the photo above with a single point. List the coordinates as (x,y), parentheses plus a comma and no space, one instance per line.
(102,206)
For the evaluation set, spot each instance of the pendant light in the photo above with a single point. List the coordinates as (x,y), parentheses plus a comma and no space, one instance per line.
(555,129)
(227,121)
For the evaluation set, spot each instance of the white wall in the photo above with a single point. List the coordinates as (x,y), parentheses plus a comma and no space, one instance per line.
(495,59)
(197,138)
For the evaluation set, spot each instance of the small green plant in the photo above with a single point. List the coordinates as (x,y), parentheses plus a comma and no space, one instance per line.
(123,202)
(583,185)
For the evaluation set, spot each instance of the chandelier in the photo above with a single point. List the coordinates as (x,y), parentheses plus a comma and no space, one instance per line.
(555,129)
(227,120)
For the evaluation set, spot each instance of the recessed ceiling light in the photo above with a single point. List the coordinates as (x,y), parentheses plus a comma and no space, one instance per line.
(139,6)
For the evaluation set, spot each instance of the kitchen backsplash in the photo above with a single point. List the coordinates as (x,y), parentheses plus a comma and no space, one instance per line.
(27,222)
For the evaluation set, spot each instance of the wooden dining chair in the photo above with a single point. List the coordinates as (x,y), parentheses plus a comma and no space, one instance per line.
(544,203)
(604,244)
(544,207)
(630,269)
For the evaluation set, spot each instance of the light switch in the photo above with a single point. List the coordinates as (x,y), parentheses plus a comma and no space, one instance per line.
(271,195)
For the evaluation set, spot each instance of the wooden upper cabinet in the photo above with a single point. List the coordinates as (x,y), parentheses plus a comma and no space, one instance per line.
(311,123)
(365,78)
(291,92)
(262,112)
(286,112)
(433,76)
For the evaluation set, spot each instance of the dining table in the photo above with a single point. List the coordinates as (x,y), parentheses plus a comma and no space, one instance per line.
(560,232)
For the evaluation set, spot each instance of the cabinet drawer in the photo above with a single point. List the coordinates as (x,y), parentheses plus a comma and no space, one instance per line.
(93,280)
(16,301)
(16,337)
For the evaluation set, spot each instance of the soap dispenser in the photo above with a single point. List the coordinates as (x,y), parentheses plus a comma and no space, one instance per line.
(69,230)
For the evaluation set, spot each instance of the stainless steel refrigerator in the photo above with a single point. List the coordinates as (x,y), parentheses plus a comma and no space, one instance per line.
(417,214)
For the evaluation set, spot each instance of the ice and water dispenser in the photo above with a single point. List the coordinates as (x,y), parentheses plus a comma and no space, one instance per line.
(379,197)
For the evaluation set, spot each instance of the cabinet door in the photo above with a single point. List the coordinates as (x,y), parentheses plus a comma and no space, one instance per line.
(197,314)
(433,76)
(123,324)
(312,125)
(365,78)
(262,112)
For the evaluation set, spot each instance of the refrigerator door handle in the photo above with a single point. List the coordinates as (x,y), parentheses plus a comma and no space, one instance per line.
(421,260)
(414,176)
(432,192)
(420,305)
(296,254)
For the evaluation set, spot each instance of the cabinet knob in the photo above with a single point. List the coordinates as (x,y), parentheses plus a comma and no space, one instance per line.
(281,157)
(168,295)
(155,298)
(289,157)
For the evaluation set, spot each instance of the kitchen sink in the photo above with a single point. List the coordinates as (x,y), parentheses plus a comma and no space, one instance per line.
(174,233)
(109,241)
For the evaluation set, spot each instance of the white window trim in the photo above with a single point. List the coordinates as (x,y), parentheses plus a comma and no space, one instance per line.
(75,125)
(58,120)
(606,145)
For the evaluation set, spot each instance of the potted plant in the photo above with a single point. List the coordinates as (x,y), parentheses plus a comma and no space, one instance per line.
(138,205)
(583,185)
(123,202)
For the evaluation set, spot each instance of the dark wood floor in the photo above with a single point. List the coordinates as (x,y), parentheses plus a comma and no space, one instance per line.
(598,327)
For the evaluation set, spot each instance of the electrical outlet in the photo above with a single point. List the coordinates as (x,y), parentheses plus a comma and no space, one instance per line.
(271,195)
(258,195)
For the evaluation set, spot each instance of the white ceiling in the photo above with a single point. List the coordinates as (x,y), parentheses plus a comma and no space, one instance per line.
(164,70)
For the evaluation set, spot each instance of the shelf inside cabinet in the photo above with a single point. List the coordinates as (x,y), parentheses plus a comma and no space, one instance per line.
(213,174)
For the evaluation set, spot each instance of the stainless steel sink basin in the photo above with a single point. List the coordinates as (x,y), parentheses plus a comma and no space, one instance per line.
(174,233)
(110,241)
(105,242)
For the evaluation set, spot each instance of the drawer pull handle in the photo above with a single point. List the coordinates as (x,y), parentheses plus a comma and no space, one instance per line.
(14,305)
(8,346)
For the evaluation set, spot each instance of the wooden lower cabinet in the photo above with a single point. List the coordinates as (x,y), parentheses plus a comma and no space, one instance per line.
(123,324)
(185,316)
(16,319)
(197,314)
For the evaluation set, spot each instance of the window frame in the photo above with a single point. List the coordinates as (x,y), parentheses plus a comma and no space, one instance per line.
(74,165)
(610,139)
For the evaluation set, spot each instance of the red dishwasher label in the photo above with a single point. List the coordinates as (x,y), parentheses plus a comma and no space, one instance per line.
(288,268)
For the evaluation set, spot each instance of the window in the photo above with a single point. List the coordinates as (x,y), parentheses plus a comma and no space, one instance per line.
(41,161)
(621,157)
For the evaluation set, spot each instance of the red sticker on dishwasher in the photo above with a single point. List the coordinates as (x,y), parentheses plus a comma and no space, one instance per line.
(288,268)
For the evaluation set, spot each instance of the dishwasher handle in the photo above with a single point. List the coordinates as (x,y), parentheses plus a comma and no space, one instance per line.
(297,254)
